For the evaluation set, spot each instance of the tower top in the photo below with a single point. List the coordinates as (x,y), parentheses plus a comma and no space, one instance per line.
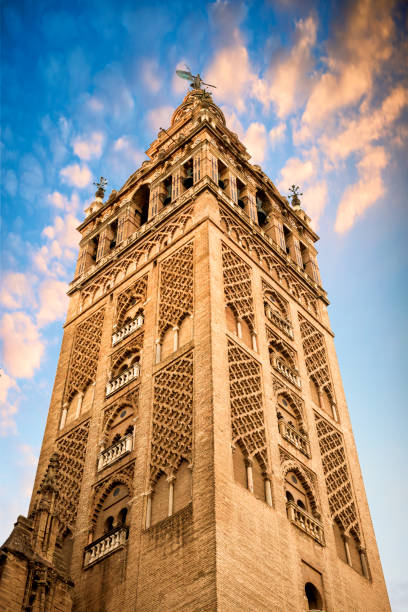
(196,81)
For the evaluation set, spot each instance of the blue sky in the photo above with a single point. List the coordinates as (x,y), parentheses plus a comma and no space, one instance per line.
(317,91)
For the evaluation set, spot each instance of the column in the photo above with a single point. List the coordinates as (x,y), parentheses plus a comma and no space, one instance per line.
(250,480)
(148,508)
(63,415)
(268,489)
(345,539)
(239,328)
(254,342)
(175,338)
(158,351)
(364,564)
(171,480)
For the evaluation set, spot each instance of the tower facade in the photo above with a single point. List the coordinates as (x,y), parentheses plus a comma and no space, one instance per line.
(198,452)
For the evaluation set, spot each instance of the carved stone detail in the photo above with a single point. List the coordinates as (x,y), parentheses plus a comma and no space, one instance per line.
(238,286)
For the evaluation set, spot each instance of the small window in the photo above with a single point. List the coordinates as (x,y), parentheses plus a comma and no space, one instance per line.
(116,491)
(109,524)
(313,597)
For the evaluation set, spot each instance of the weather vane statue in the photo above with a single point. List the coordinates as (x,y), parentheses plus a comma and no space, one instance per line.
(101,185)
(294,195)
(196,81)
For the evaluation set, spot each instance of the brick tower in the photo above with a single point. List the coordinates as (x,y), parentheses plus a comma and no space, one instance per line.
(198,453)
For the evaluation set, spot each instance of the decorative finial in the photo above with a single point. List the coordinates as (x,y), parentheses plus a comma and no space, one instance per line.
(197,81)
(101,185)
(294,196)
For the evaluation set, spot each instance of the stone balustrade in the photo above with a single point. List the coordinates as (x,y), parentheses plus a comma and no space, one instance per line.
(294,437)
(290,373)
(274,316)
(114,452)
(305,521)
(127,329)
(105,545)
(123,379)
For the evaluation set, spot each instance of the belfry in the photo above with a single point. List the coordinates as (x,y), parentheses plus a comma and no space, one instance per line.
(198,452)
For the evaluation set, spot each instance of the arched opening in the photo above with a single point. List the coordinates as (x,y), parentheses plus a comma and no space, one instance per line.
(314,392)
(182,486)
(108,524)
(121,520)
(314,599)
(241,194)
(289,496)
(167,344)
(295,487)
(231,320)
(258,480)
(262,208)
(339,540)
(63,552)
(326,403)
(246,335)
(354,547)
(140,202)
(160,499)
(187,174)
(185,333)
(240,473)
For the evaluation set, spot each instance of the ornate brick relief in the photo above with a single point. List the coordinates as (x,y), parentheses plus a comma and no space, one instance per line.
(103,488)
(238,286)
(281,347)
(253,245)
(131,348)
(172,417)
(176,288)
(278,301)
(160,238)
(280,388)
(85,353)
(317,363)
(306,476)
(71,450)
(130,399)
(136,292)
(339,489)
(247,416)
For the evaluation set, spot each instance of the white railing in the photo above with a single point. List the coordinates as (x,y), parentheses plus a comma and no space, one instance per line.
(123,379)
(114,452)
(294,437)
(127,329)
(305,521)
(290,373)
(275,317)
(105,545)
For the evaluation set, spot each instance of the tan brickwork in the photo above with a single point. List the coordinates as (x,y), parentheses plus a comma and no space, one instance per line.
(171,464)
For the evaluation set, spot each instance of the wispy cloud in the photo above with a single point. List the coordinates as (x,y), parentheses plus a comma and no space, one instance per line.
(89,147)
(77,175)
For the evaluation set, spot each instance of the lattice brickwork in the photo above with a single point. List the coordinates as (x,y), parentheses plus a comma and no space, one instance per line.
(172,417)
(130,348)
(247,416)
(71,453)
(140,251)
(136,292)
(317,363)
(256,249)
(340,493)
(237,286)
(176,288)
(85,353)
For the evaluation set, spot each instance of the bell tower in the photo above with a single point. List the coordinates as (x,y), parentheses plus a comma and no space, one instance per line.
(198,452)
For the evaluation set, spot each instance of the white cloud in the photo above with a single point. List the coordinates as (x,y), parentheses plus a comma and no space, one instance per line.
(160,117)
(255,140)
(363,194)
(62,202)
(79,176)
(63,233)
(296,171)
(7,421)
(16,291)
(22,345)
(126,152)
(288,78)
(149,71)
(6,383)
(314,201)
(277,133)
(89,147)
(53,301)
(95,104)
(232,74)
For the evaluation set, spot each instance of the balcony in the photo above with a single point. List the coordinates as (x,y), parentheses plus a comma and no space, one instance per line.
(275,318)
(105,545)
(122,380)
(305,521)
(294,437)
(288,372)
(115,452)
(127,329)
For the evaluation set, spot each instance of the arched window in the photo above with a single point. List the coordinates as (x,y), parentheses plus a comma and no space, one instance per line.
(295,488)
(122,517)
(108,524)
(314,599)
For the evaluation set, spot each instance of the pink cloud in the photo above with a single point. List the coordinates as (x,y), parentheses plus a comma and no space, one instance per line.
(22,345)
(53,301)
(160,117)
(363,194)
(89,147)
(255,140)
(79,176)
(16,291)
